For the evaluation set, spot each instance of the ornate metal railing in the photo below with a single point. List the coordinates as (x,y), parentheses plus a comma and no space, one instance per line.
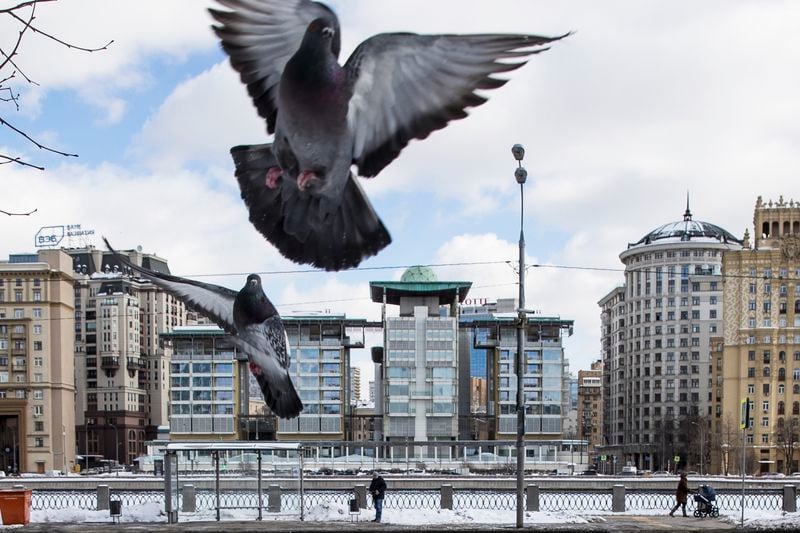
(726,500)
(575,500)
(65,499)
(555,500)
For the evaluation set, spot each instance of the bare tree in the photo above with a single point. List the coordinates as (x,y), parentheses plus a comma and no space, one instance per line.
(723,443)
(23,14)
(787,433)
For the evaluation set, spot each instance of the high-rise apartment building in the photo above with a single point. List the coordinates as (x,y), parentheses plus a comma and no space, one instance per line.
(656,340)
(421,368)
(37,385)
(545,376)
(320,350)
(760,356)
(207,377)
(121,368)
(590,406)
(355,385)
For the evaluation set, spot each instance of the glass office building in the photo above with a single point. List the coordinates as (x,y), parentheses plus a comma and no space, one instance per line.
(421,367)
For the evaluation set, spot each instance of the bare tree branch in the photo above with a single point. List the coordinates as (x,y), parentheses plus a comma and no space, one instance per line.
(25,14)
(29,213)
(17,160)
(59,41)
(29,3)
(31,139)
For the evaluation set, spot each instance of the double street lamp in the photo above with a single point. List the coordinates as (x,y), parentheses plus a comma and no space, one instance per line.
(520,174)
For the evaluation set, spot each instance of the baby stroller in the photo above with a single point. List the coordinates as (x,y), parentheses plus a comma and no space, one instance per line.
(705,497)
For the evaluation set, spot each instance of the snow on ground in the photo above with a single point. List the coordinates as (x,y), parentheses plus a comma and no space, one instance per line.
(153,512)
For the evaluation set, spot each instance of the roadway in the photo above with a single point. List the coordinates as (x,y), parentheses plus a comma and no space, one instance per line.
(606,523)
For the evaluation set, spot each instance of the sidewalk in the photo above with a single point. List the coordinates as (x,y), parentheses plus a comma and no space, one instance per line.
(615,524)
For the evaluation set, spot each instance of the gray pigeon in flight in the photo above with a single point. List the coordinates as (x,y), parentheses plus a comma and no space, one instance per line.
(252,321)
(395,87)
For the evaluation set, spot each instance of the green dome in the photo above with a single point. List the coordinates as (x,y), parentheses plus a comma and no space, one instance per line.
(418,273)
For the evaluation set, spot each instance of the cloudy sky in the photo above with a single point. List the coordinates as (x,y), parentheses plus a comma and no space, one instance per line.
(644,102)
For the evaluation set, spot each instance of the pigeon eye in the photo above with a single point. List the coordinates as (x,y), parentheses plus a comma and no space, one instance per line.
(327,31)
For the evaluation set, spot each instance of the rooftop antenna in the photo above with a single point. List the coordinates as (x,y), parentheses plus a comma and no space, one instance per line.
(687,216)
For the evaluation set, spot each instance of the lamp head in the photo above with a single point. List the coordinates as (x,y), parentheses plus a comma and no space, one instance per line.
(521,175)
(518,151)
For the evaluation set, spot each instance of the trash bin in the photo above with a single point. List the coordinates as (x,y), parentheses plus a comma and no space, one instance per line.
(15,506)
(354,506)
(115,509)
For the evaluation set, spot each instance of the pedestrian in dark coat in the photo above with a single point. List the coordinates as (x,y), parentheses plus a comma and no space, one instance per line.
(681,494)
(377,490)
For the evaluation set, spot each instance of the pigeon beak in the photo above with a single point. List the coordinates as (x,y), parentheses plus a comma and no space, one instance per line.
(327,31)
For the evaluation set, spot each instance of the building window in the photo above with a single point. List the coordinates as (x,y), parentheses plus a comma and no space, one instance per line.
(39,442)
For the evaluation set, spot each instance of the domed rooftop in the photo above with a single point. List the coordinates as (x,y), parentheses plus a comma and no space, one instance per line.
(687,230)
(418,273)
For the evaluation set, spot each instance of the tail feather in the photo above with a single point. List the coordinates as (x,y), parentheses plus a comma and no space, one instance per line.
(281,397)
(333,238)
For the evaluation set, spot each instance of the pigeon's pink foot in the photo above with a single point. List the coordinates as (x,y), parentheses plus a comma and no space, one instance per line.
(255,369)
(305,178)
(273,173)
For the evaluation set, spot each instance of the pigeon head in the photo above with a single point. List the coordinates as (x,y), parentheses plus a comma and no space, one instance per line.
(322,32)
(253,281)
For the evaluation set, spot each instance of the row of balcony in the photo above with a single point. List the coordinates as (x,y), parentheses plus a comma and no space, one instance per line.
(112,363)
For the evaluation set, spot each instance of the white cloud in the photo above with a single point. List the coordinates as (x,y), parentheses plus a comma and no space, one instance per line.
(199,122)
(141,31)
(644,102)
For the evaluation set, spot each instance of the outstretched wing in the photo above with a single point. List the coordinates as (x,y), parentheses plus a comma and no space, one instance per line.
(260,36)
(406,85)
(212,301)
(266,347)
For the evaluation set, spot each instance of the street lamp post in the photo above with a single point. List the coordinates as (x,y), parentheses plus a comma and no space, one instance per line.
(116,447)
(725,447)
(701,427)
(520,174)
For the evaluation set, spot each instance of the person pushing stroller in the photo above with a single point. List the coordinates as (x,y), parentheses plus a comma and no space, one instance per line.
(681,494)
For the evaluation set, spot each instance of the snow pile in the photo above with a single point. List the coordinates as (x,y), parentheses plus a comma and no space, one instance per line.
(152,512)
(144,512)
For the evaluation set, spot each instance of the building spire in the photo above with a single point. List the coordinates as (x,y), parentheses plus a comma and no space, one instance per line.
(688,214)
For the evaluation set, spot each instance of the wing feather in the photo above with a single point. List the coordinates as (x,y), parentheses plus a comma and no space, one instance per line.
(406,86)
(260,36)
(212,301)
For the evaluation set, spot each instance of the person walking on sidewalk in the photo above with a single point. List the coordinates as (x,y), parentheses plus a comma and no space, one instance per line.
(378,490)
(681,494)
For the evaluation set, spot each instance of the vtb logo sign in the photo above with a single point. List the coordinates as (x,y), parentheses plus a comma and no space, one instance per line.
(49,236)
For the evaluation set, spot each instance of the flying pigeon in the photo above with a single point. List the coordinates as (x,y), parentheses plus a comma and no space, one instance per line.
(395,87)
(253,323)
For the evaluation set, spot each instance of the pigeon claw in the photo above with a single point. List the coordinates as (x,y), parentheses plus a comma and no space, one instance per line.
(305,178)
(273,173)
(255,369)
